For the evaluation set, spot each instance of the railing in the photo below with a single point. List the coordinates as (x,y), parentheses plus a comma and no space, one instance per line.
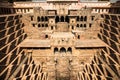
(110,68)
(17,69)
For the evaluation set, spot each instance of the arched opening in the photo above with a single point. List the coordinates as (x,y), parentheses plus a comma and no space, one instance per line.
(77,18)
(42,18)
(39,25)
(56,50)
(92,17)
(84,25)
(42,25)
(33,25)
(38,19)
(78,36)
(51,27)
(62,50)
(31,18)
(72,27)
(69,50)
(62,18)
(80,25)
(67,19)
(46,25)
(46,36)
(85,18)
(81,19)
(90,25)
(57,19)
(46,18)
(77,25)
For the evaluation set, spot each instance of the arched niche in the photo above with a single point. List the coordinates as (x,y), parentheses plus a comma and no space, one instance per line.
(62,18)
(57,19)
(55,50)
(46,36)
(42,18)
(77,18)
(81,19)
(78,36)
(67,19)
(46,18)
(72,27)
(31,18)
(77,25)
(85,18)
(46,25)
(39,25)
(69,50)
(84,25)
(62,50)
(42,25)
(81,25)
(38,19)
(51,27)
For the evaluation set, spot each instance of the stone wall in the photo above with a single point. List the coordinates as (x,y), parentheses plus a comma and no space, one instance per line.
(109,32)
(15,62)
(106,63)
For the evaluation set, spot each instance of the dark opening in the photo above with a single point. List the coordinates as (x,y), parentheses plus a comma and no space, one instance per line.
(46,18)
(92,17)
(85,18)
(77,25)
(38,19)
(78,36)
(85,25)
(33,25)
(63,50)
(77,18)
(81,19)
(51,27)
(42,18)
(67,19)
(72,27)
(39,25)
(31,18)
(69,50)
(90,25)
(62,18)
(55,50)
(42,25)
(80,25)
(57,19)
(46,25)
(46,36)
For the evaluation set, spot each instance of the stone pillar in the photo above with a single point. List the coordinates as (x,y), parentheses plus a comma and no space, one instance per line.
(69,27)
(74,27)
